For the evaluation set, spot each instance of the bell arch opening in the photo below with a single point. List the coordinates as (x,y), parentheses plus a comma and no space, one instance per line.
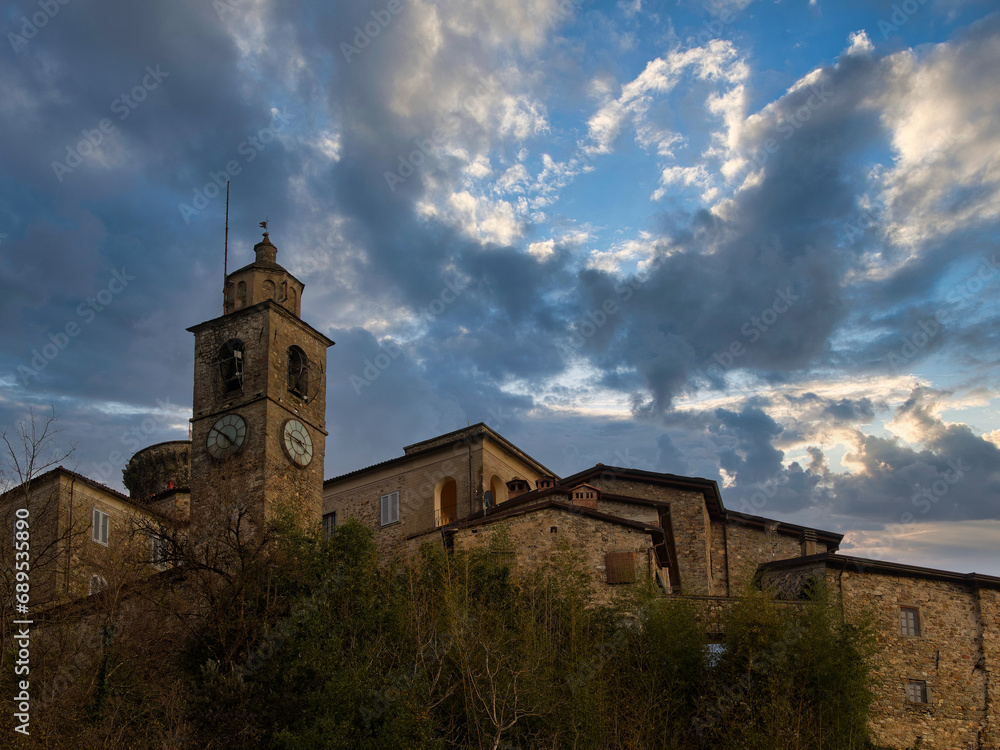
(445,501)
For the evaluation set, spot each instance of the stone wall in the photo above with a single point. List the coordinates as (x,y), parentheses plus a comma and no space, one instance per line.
(948,654)
(790,583)
(689,518)
(749,546)
(159,468)
(63,555)
(646,514)
(260,469)
(719,556)
(416,478)
(988,601)
(535,543)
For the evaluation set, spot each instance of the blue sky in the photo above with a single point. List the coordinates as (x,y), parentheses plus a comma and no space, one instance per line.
(755,242)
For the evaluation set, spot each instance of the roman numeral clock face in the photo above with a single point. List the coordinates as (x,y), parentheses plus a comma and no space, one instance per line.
(297,443)
(226,436)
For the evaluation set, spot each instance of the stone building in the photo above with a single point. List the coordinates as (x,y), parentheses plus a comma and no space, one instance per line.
(940,631)
(258,433)
(82,535)
(940,638)
(457,487)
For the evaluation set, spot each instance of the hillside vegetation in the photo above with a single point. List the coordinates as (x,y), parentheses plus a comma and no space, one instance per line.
(306,643)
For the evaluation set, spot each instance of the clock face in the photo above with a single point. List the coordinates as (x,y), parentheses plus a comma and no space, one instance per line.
(227,436)
(298,445)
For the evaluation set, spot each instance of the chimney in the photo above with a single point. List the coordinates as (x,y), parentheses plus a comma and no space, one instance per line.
(807,542)
(516,487)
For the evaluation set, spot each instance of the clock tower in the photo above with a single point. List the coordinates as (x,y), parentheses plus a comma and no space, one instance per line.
(258,429)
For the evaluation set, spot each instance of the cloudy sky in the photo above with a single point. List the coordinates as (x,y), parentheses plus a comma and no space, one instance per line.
(750,241)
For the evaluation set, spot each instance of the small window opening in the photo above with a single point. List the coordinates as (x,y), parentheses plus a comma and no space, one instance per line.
(329,523)
(916,691)
(909,621)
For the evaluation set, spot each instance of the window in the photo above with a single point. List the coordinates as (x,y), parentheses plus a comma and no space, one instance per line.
(329,524)
(713,653)
(158,552)
(231,366)
(620,567)
(909,621)
(916,691)
(390,508)
(99,528)
(298,372)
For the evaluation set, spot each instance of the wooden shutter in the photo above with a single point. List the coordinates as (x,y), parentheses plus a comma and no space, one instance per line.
(620,567)
(390,508)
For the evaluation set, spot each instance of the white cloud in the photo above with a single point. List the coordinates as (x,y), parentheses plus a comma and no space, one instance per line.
(961,546)
(686,176)
(630,8)
(860,44)
(542,250)
(625,256)
(716,61)
(941,112)
(514,180)
(483,219)
(479,168)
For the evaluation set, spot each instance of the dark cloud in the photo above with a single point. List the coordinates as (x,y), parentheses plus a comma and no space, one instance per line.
(779,286)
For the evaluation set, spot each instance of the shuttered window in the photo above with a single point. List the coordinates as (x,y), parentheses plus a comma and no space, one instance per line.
(390,508)
(158,550)
(99,527)
(620,567)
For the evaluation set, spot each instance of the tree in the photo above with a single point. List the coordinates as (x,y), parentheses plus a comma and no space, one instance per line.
(30,449)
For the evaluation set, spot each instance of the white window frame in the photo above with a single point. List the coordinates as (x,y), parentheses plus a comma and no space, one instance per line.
(389,508)
(905,621)
(913,688)
(158,551)
(100,527)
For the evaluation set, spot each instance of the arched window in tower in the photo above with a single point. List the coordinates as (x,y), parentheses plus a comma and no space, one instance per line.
(268,289)
(290,302)
(241,294)
(231,363)
(298,372)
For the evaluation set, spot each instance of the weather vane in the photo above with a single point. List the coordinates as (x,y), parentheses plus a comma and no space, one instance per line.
(264,225)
